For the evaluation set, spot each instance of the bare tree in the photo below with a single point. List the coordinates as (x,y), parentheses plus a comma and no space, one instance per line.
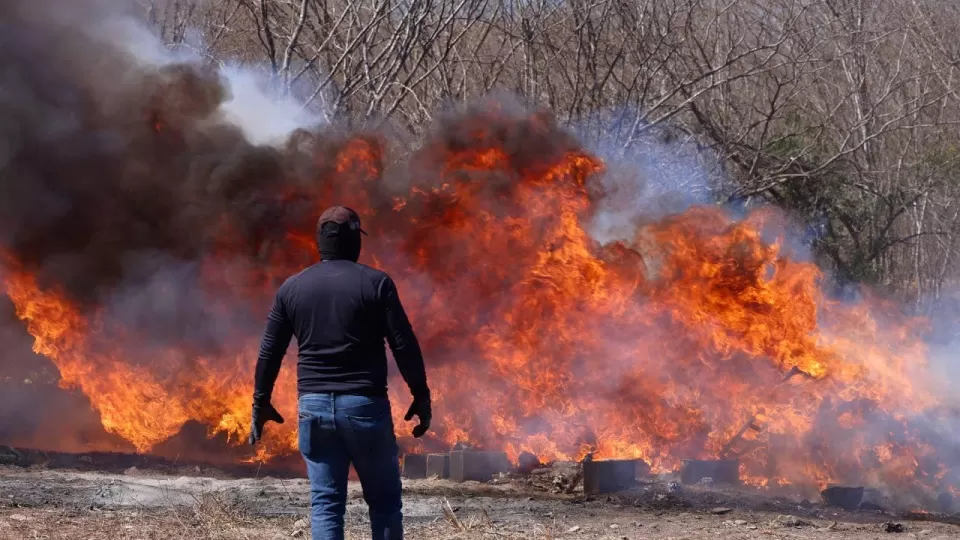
(844,111)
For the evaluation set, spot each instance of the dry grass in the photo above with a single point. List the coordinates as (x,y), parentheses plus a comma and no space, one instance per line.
(212,517)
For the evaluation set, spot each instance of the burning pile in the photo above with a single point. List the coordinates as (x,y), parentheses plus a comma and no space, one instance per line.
(144,236)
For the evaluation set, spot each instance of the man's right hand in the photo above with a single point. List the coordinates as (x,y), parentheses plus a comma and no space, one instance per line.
(262,413)
(422,410)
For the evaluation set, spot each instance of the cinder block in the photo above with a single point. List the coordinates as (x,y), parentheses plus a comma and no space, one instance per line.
(643,469)
(414,466)
(527,463)
(438,465)
(477,465)
(846,497)
(723,471)
(610,475)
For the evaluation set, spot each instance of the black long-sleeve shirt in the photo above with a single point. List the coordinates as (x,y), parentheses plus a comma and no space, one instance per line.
(341,312)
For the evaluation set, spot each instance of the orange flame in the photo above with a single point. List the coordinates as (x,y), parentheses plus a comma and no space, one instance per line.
(538,339)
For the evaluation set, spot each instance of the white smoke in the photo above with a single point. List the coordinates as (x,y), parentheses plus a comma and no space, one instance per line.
(265,117)
(265,114)
(658,175)
(123,32)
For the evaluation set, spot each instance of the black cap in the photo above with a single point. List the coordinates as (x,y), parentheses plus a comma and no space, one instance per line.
(341,215)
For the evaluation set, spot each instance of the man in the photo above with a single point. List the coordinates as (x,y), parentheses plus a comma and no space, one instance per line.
(341,312)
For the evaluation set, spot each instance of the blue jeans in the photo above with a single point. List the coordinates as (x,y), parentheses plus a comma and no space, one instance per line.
(334,431)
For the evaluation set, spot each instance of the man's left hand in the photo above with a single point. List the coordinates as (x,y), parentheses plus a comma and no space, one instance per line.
(262,413)
(422,410)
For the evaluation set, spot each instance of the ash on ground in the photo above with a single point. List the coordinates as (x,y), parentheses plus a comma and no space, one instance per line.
(37,500)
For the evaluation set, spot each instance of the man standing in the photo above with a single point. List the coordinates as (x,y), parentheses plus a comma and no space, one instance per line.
(341,312)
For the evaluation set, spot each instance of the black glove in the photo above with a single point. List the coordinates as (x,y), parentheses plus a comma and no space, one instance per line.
(262,413)
(421,409)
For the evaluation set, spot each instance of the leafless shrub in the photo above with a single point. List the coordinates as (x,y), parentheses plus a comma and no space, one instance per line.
(844,111)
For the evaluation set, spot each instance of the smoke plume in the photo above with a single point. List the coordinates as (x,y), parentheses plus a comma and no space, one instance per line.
(150,204)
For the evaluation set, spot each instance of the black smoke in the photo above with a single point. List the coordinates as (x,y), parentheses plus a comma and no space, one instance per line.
(122,177)
(119,176)
(106,162)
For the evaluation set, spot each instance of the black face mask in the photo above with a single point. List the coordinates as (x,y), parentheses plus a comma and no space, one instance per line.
(338,242)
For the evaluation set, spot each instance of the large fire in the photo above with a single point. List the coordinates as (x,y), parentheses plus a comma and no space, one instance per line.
(539,339)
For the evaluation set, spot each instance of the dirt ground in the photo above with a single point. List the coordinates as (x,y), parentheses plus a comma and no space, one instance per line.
(40,503)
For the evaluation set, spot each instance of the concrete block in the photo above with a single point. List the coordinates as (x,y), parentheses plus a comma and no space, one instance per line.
(527,463)
(438,465)
(477,465)
(414,466)
(643,469)
(609,475)
(723,471)
(846,497)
